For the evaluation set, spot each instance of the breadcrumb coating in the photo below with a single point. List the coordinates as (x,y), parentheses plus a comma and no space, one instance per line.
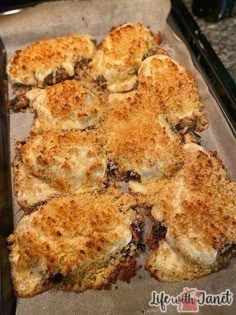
(65,162)
(197,206)
(33,64)
(72,243)
(120,55)
(168,88)
(138,140)
(66,105)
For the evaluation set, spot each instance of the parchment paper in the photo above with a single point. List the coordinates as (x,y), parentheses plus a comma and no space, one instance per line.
(96,18)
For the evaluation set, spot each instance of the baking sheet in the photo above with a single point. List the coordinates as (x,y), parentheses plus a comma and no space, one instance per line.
(96,18)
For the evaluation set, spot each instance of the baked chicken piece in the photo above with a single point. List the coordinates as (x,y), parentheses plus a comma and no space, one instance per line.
(197,207)
(116,62)
(140,144)
(169,89)
(56,163)
(75,243)
(63,106)
(49,61)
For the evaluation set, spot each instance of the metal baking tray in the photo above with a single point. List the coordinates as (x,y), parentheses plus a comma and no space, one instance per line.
(219,82)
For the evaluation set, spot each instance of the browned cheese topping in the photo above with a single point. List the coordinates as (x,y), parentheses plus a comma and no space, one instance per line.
(197,206)
(168,88)
(74,243)
(120,55)
(58,163)
(66,105)
(139,140)
(32,65)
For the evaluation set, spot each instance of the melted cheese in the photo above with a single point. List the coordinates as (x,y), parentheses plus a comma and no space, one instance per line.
(29,189)
(167,264)
(197,251)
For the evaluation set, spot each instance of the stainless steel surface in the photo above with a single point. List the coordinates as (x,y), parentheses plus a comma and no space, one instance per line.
(222,37)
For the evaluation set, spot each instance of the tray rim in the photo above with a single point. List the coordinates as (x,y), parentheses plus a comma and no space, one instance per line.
(7,299)
(218,79)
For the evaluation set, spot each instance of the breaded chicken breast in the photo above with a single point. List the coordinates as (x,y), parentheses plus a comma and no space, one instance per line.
(168,88)
(116,62)
(198,208)
(49,61)
(63,106)
(139,142)
(75,243)
(56,163)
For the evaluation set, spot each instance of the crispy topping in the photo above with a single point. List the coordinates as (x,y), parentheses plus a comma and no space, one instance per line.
(120,54)
(74,243)
(67,105)
(168,88)
(57,164)
(50,59)
(197,206)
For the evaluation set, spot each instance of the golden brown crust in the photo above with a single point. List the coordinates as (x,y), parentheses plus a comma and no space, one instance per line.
(171,90)
(197,206)
(66,105)
(73,242)
(58,163)
(138,140)
(120,55)
(33,64)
